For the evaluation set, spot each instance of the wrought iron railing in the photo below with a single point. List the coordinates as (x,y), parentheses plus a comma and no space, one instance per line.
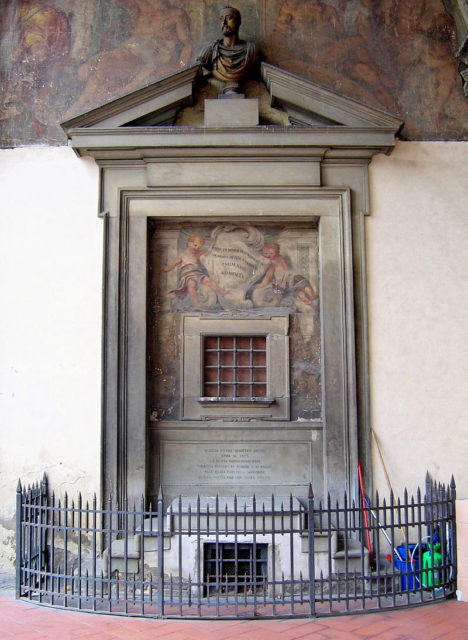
(230,557)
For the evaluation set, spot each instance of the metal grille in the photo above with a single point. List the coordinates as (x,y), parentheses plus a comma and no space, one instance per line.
(235,566)
(234,366)
(233,557)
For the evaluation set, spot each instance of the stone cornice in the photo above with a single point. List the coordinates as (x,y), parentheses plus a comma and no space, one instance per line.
(140,142)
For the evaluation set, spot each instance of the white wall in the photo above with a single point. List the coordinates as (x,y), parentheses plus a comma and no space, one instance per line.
(50,324)
(417,260)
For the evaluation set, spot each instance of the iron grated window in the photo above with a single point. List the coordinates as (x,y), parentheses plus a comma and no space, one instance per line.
(234,366)
(231,364)
(238,566)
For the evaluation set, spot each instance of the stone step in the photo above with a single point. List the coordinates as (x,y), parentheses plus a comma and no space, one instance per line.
(121,560)
(350,558)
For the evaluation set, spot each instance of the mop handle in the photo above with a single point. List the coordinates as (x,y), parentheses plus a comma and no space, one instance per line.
(374,515)
(364,508)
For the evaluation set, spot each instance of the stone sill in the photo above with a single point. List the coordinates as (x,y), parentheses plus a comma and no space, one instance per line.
(216,401)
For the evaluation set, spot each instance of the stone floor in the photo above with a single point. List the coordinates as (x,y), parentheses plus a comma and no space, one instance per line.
(26,621)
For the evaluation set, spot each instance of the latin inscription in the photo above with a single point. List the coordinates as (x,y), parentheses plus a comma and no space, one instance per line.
(235,262)
(231,463)
(234,464)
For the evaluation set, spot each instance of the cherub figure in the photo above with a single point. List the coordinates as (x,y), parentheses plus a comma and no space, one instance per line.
(284,279)
(191,274)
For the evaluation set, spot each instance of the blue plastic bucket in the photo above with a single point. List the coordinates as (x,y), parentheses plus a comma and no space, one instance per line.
(409,569)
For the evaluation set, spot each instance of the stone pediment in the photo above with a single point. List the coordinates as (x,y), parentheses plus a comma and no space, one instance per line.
(310,104)
(153,105)
(311,115)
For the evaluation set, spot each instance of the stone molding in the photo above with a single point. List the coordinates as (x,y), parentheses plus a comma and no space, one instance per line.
(124,428)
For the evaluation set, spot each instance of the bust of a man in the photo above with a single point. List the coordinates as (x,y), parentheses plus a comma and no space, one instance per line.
(229,59)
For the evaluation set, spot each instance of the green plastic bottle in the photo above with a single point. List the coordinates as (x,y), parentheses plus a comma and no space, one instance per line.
(432,558)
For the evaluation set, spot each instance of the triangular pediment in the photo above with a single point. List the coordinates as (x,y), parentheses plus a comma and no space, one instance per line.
(300,112)
(305,102)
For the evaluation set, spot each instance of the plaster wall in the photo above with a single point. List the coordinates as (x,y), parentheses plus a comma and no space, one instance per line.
(417,254)
(50,326)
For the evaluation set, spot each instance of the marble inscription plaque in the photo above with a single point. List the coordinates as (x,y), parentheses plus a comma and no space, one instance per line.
(235,463)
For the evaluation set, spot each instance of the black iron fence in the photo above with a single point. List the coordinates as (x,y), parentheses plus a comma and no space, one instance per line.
(236,557)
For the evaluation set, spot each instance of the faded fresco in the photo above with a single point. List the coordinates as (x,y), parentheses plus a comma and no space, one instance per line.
(230,270)
(61,57)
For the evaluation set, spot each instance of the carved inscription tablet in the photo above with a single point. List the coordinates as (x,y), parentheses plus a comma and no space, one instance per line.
(235,463)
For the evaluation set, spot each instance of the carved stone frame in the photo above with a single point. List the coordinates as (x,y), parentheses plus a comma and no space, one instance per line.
(127,384)
(275,328)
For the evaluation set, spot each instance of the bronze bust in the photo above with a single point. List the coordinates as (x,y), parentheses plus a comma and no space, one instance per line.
(229,59)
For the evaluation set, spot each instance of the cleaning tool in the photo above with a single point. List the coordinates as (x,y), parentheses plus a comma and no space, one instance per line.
(364,509)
